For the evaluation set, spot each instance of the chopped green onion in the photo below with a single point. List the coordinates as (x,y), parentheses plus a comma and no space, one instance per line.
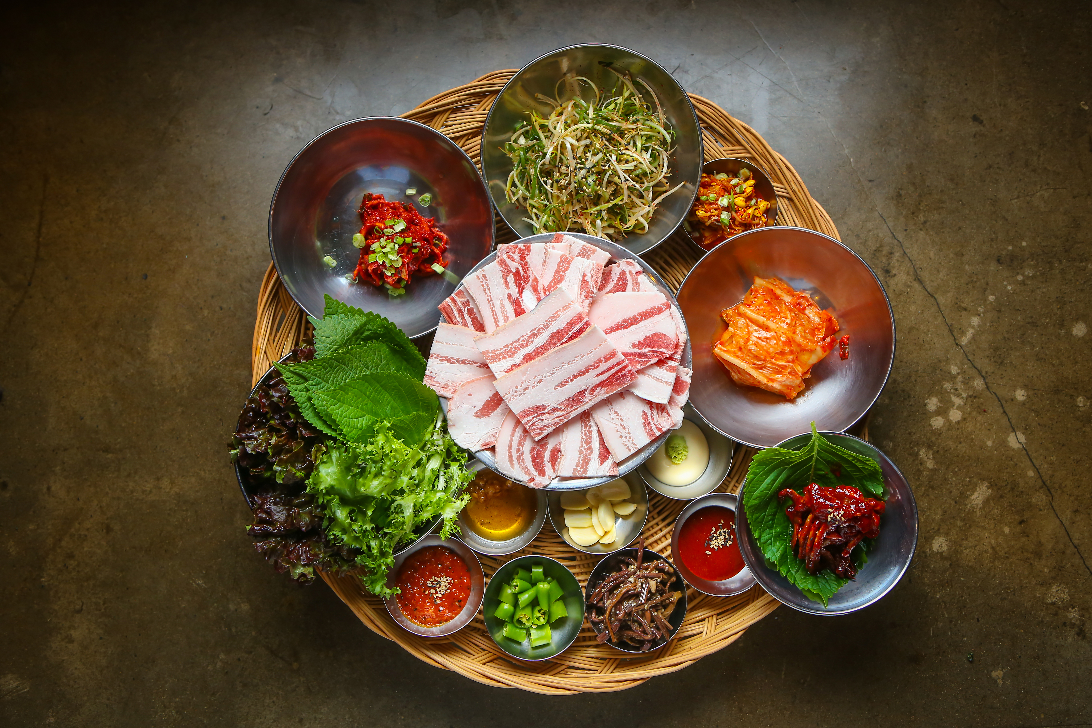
(329,261)
(399,226)
(438,268)
(724,201)
(425,199)
(411,191)
(358,241)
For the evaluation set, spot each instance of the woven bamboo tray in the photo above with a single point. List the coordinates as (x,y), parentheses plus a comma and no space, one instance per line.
(711,623)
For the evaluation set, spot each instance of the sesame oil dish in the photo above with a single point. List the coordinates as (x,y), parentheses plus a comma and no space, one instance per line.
(499,509)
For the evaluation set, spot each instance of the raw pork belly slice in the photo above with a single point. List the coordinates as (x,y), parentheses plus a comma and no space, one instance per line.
(521,458)
(625,276)
(581,450)
(579,249)
(579,276)
(639,324)
(628,423)
(475,413)
(555,321)
(458,309)
(679,394)
(454,359)
(655,381)
(550,390)
(499,296)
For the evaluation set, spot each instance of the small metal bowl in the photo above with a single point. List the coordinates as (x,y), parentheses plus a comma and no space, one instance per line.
(313,215)
(564,631)
(609,565)
(477,588)
(633,524)
(738,583)
(617,253)
(888,559)
(764,189)
(544,76)
(422,533)
(500,548)
(721,451)
(838,393)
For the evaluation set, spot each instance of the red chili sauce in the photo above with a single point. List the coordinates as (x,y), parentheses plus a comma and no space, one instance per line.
(843,347)
(707,544)
(434,585)
(399,242)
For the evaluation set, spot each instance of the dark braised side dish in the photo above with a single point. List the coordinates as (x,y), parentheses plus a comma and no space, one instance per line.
(632,605)
(828,523)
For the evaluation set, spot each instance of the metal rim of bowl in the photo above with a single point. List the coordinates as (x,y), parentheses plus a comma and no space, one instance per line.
(745,578)
(514,544)
(514,563)
(556,495)
(686,97)
(887,300)
(770,215)
(280,181)
(598,571)
(654,483)
(687,360)
(741,513)
(470,609)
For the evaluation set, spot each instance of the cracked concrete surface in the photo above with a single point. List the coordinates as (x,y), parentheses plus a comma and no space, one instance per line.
(950,142)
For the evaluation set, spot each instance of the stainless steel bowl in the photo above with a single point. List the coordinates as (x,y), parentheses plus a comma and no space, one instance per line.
(721,451)
(564,631)
(888,559)
(510,545)
(544,76)
(630,526)
(738,583)
(610,564)
(314,214)
(477,588)
(763,188)
(617,252)
(839,392)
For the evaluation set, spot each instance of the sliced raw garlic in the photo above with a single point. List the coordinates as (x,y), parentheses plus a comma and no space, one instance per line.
(594,499)
(583,536)
(623,508)
(595,522)
(605,516)
(615,490)
(574,500)
(578,519)
(609,537)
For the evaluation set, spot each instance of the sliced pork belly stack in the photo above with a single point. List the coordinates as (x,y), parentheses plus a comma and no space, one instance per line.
(628,422)
(548,391)
(625,276)
(639,324)
(454,359)
(579,450)
(555,321)
(579,276)
(500,295)
(458,310)
(475,413)
(579,249)
(655,381)
(521,458)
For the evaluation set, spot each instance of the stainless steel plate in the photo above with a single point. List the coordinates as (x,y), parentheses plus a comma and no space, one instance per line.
(617,252)
(764,189)
(721,450)
(629,527)
(738,583)
(593,61)
(314,214)
(888,559)
(838,393)
(508,546)
(563,631)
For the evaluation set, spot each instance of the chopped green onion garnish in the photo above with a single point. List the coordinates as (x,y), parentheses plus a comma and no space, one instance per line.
(411,191)
(399,226)
(358,240)
(438,268)
(425,199)
(329,261)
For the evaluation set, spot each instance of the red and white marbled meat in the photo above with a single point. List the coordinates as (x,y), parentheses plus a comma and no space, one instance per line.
(555,321)
(579,249)
(454,359)
(628,423)
(655,381)
(547,392)
(581,450)
(500,294)
(459,310)
(680,392)
(625,276)
(475,413)
(521,458)
(639,324)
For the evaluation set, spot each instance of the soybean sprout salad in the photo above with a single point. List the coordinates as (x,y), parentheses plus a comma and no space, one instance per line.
(597,166)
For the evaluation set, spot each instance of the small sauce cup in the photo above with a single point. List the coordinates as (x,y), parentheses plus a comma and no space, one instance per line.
(736,584)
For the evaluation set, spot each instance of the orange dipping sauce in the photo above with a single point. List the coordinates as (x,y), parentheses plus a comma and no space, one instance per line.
(433,584)
(707,544)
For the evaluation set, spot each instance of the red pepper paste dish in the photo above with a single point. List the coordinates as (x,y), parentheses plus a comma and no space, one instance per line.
(434,586)
(705,547)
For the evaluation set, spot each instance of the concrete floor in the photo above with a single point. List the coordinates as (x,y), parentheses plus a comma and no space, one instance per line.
(950,141)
